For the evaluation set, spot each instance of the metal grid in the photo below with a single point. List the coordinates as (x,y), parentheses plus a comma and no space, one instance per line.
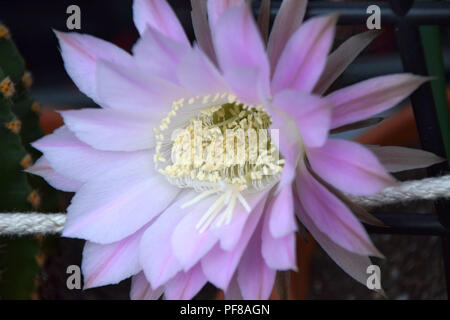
(407,16)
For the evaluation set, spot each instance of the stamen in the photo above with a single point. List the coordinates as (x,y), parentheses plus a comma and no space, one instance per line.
(244,202)
(211,214)
(201,196)
(233,154)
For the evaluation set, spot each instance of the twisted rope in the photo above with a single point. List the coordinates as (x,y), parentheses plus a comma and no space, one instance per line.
(426,189)
(31,223)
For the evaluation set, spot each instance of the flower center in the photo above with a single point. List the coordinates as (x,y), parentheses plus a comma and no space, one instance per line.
(222,147)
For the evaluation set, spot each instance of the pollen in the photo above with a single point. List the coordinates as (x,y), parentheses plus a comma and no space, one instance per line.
(217,145)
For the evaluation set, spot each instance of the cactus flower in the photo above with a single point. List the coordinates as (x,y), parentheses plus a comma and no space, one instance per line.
(151,205)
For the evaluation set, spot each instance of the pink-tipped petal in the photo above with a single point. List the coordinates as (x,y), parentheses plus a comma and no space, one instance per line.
(77,160)
(286,23)
(395,159)
(219,265)
(202,29)
(111,130)
(365,99)
(185,285)
(156,254)
(342,57)
(311,113)
(331,216)
(281,213)
(43,168)
(81,53)
(285,135)
(304,57)
(159,15)
(353,264)
(217,7)
(141,289)
(132,88)
(255,278)
(350,167)
(198,74)
(241,54)
(118,203)
(105,264)
(278,253)
(159,54)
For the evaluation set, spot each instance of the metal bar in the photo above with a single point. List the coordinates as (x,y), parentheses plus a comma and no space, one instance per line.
(408,223)
(411,51)
(355,13)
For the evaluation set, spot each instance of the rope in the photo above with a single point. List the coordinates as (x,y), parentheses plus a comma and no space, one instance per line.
(31,223)
(426,189)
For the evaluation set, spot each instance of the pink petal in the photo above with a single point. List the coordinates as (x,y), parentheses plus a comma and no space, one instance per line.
(396,159)
(247,84)
(219,265)
(77,160)
(255,278)
(342,57)
(217,7)
(286,137)
(241,54)
(304,57)
(156,254)
(350,167)
(80,54)
(185,285)
(111,130)
(159,54)
(141,289)
(116,204)
(229,234)
(278,253)
(159,15)
(365,99)
(105,264)
(43,168)
(202,29)
(133,88)
(287,21)
(188,244)
(311,113)
(281,212)
(197,73)
(353,264)
(331,216)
